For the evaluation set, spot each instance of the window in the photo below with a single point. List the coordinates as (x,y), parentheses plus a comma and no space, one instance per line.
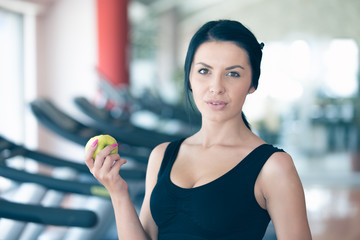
(11,75)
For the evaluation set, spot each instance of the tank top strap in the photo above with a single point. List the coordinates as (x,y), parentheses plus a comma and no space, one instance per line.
(260,156)
(170,155)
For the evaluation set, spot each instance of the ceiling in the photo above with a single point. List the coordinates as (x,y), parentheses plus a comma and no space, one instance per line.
(271,18)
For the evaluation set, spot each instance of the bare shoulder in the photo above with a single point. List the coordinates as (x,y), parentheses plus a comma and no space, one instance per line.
(156,156)
(160,149)
(158,152)
(279,174)
(280,163)
(283,191)
(153,166)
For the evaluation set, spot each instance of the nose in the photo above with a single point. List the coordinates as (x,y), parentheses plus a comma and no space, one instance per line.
(217,86)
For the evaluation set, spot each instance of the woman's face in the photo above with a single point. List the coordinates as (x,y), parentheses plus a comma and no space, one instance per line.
(220,79)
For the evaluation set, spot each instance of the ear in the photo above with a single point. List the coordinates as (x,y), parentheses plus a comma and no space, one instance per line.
(251,90)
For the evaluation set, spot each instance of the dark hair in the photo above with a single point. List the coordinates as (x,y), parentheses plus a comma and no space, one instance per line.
(231,31)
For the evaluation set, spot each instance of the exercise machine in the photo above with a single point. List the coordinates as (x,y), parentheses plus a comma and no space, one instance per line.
(61,123)
(40,197)
(105,120)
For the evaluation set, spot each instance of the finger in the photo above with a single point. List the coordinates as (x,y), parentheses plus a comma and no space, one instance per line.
(89,161)
(107,150)
(100,157)
(118,164)
(110,160)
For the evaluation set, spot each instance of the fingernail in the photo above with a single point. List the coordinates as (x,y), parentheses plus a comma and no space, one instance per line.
(95,143)
(114,145)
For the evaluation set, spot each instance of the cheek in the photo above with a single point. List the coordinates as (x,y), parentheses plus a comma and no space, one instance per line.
(197,93)
(196,87)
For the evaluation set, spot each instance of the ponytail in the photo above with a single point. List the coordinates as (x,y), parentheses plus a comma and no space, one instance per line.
(247,124)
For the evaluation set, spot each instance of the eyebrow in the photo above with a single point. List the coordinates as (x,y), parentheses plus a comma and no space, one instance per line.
(235,66)
(204,64)
(228,68)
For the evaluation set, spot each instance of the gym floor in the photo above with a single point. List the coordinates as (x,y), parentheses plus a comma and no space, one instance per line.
(332,189)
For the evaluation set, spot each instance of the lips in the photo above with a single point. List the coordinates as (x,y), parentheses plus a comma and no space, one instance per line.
(216,104)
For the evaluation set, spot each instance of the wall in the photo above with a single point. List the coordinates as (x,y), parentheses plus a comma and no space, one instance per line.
(67,58)
(67,42)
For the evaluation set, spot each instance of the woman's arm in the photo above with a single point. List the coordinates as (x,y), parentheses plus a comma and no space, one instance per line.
(153,168)
(106,169)
(284,196)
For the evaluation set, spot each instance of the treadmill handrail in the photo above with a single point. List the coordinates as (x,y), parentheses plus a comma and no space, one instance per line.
(81,134)
(53,183)
(47,215)
(18,150)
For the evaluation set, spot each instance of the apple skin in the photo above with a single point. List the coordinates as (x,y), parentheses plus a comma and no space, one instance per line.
(103,141)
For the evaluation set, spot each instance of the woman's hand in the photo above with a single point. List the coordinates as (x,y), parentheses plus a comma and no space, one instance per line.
(106,167)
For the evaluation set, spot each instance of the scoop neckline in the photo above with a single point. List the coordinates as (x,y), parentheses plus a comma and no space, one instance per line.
(242,162)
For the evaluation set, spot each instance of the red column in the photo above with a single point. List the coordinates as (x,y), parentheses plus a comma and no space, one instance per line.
(113,27)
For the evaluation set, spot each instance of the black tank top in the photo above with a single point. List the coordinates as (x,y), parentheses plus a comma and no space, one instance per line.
(225,208)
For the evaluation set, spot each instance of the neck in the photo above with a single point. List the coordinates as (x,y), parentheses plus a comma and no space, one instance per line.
(220,133)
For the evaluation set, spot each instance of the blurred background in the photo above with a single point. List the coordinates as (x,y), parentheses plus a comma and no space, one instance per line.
(127,56)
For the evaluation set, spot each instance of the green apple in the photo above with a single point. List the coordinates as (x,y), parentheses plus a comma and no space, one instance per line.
(103,141)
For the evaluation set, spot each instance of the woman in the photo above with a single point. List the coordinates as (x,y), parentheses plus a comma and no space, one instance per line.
(223,182)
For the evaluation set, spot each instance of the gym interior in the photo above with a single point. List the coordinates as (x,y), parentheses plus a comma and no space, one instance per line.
(70,70)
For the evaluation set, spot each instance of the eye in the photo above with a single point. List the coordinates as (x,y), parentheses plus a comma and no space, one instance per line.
(233,74)
(203,71)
